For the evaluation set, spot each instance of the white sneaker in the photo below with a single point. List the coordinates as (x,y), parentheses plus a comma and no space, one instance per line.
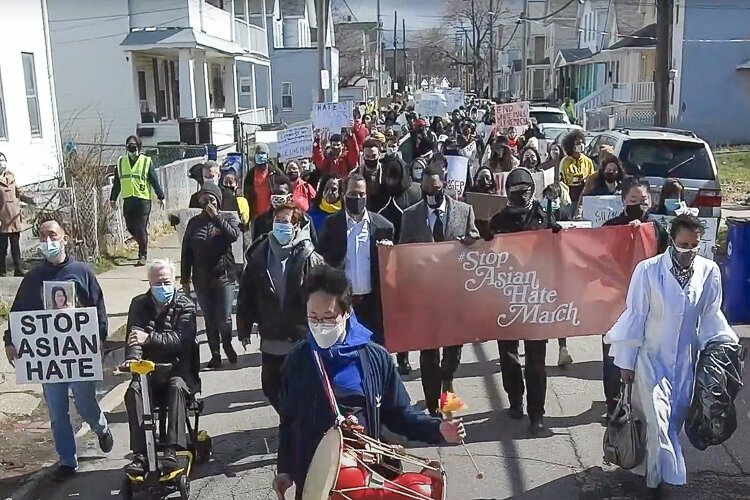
(564,358)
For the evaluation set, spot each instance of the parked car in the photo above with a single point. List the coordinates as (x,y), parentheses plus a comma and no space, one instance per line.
(548,114)
(660,153)
(553,132)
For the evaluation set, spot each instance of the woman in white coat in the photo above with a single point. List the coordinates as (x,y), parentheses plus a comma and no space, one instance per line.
(673,312)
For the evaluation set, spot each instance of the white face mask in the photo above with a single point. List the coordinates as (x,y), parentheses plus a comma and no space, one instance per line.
(579,148)
(327,335)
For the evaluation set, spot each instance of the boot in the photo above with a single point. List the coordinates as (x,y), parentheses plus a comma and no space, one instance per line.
(404,367)
(564,358)
(215,362)
(536,426)
(230,352)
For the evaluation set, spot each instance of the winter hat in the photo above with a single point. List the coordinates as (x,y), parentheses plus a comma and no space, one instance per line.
(213,190)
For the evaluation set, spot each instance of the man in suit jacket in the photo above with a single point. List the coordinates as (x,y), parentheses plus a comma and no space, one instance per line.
(348,240)
(434,219)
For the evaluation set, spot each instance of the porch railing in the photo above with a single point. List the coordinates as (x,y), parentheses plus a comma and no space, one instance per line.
(633,92)
(251,37)
(596,99)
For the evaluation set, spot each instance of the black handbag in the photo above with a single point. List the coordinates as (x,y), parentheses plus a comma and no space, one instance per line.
(624,442)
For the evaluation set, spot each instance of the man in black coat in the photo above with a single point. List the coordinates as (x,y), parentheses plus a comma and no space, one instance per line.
(523,213)
(348,240)
(161,328)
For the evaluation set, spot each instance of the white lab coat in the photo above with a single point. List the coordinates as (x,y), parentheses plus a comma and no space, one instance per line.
(659,336)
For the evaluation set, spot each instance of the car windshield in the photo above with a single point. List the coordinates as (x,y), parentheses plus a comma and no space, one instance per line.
(552,133)
(664,158)
(548,116)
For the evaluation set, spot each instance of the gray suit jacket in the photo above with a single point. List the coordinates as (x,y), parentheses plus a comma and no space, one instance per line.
(458,223)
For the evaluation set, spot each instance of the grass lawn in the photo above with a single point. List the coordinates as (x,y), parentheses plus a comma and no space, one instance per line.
(734,174)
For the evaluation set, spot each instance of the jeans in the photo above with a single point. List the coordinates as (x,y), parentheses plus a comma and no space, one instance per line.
(84,397)
(216,304)
(136,211)
(536,374)
(171,394)
(15,251)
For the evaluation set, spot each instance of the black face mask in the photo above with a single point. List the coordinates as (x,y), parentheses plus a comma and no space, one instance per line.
(611,178)
(519,199)
(132,148)
(485,183)
(433,200)
(371,164)
(355,206)
(293,176)
(635,212)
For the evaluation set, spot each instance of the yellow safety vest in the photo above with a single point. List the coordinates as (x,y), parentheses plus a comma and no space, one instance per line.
(134,180)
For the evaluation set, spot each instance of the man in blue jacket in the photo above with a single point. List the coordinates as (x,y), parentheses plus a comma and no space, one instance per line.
(59,266)
(364,381)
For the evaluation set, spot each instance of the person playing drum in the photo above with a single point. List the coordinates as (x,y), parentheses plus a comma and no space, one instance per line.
(363,378)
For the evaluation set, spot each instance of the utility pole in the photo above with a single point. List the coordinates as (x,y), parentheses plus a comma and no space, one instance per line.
(403,47)
(395,47)
(474,48)
(322,18)
(664,17)
(378,67)
(525,50)
(492,50)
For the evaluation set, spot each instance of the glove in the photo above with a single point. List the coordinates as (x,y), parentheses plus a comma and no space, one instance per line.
(556,228)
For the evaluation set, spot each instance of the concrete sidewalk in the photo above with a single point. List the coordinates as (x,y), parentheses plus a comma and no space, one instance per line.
(25,442)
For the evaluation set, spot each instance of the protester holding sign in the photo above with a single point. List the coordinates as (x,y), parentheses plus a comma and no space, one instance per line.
(576,167)
(207,257)
(161,328)
(338,159)
(302,192)
(673,312)
(260,180)
(61,267)
(523,213)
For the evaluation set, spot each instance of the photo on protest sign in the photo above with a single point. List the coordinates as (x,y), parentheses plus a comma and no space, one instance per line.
(486,205)
(599,209)
(512,114)
(59,294)
(532,285)
(295,143)
(332,115)
(56,345)
(185,214)
(456,177)
(708,240)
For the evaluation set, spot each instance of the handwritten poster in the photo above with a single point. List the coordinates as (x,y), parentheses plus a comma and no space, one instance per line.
(456,178)
(512,114)
(432,104)
(295,143)
(332,115)
(599,209)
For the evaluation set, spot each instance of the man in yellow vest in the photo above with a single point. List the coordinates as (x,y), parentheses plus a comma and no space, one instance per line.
(135,179)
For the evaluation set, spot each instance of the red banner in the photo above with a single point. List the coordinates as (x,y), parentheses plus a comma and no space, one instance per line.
(531,285)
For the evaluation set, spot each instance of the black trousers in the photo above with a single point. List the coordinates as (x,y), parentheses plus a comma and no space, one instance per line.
(536,374)
(15,250)
(136,212)
(611,378)
(370,314)
(438,376)
(270,378)
(172,392)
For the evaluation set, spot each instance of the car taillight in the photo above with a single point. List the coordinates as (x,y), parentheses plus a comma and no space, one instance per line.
(708,198)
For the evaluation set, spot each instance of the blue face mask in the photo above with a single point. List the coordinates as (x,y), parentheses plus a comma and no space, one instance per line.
(162,293)
(261,159)
(555,204)
(50,249)
(283,232)
(671,204)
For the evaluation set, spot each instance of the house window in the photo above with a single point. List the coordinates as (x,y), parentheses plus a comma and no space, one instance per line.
(286,96)
(3,123)
(246,85)
(32,98)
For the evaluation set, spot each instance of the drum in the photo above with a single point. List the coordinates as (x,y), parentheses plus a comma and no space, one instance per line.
(354,469)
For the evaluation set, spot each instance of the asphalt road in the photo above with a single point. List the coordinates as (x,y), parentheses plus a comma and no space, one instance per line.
(564,465)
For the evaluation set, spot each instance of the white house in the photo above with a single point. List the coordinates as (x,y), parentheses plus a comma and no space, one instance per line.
(28,129)
(168,70)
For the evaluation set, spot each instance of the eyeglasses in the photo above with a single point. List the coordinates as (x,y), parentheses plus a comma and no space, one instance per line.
(325,321)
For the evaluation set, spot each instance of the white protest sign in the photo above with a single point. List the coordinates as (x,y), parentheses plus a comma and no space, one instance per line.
(185,214)
(332,115)
(456,178)
(708,240)
(599,209)
(56,345)
(295,143)
(432,104)
(500,178)
(454,99)
(512,114)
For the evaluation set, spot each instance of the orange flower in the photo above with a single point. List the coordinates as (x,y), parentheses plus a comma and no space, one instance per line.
(451,403)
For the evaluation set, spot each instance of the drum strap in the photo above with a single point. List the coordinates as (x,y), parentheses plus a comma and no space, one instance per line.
(327,388)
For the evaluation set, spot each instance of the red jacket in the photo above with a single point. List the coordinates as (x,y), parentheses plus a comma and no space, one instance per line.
(361,132)
(341,166)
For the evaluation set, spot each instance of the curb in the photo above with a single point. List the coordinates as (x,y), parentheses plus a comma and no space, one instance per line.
(29,489)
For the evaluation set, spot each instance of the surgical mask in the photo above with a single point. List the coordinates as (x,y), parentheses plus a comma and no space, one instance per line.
(355,205)
(554,205)
(417,173)
(684,256)
(261,159)
(672,204)
(132,148)
(283,232)
(636,211)
(579,148)
(50,249)
(162,293)
(327,335)
(434,200)
(392,149)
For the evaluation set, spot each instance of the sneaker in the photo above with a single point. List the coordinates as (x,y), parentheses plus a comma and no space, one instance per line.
(230,352)
(106,441)
(515,412)
(138,466)
(19,273)
(564,358)
(536,427)
(169,461)
(63,473)
(141,262)
(215,362)
(404,368)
